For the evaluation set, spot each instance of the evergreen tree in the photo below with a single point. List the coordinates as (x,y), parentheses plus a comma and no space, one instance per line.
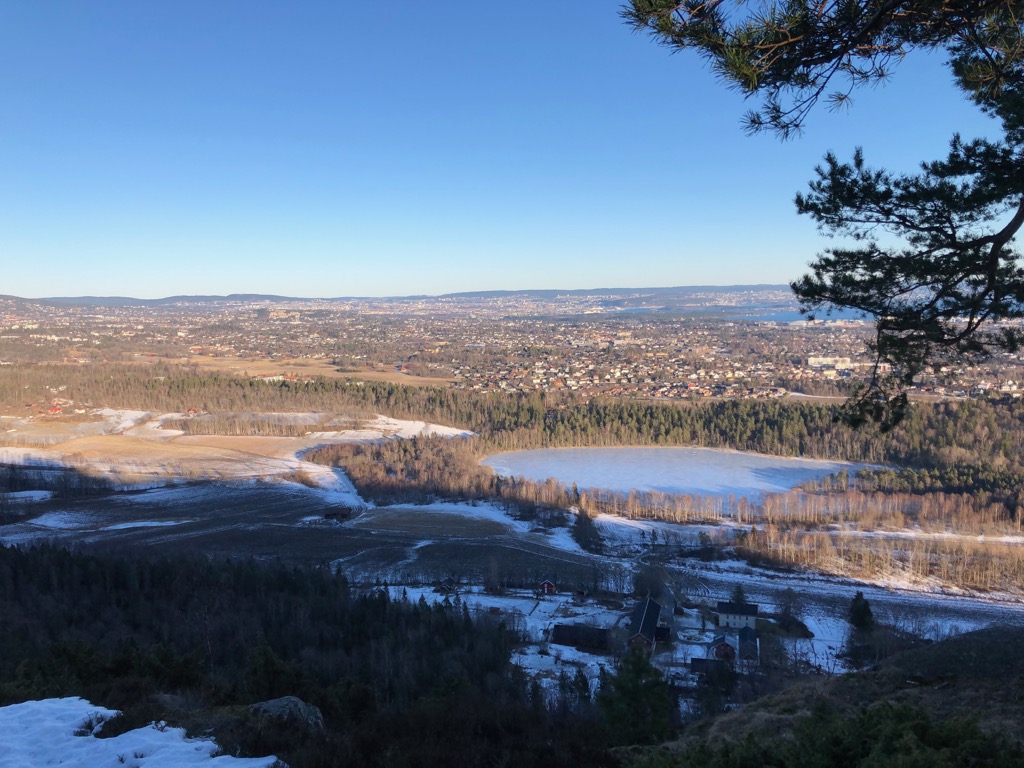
(935,297)
(739,595)
(860,616)
(636,702)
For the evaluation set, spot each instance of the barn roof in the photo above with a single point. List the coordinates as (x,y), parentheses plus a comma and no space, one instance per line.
(645,619)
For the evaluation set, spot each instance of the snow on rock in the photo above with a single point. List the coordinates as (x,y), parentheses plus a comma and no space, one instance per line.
(63,732)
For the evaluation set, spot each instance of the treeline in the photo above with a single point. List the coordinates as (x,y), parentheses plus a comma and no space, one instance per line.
(959,478)
(64,481)
(426,469)
(418,470)
(398,682)
(967,447)
(968,514)
(259,424)
(983,484)
(965,562)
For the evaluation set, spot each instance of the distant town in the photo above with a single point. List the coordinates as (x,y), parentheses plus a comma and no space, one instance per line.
(741,342)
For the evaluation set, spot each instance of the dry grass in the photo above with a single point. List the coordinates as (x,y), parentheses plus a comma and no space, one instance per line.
(201,457)
(303,366)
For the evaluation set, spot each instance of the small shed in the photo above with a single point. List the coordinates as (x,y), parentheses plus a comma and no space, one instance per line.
(724,648)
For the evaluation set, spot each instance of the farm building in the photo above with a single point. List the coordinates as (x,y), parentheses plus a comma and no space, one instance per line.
(737,615)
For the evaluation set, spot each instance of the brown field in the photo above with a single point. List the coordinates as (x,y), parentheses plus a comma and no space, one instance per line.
(143,450)
(189,457)
(302,366)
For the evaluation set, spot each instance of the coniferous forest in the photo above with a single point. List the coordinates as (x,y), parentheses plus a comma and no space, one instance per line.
(195,642)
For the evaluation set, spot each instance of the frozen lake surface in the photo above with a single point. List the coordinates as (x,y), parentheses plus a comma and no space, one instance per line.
(671,470)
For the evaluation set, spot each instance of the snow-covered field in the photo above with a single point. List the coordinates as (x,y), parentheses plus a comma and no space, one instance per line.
(703,471)
(63,732)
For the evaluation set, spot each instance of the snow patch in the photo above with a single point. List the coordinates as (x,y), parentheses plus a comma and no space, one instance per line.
(61,520)
(144,524)
(62,732)
(402,428)
(26,497)
(121,420)
(153,428)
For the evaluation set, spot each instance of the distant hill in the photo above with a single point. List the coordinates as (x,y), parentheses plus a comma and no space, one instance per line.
(610,297)
(583,292)
(127,301)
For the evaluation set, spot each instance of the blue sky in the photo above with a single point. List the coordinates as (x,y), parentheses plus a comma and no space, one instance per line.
(338,148)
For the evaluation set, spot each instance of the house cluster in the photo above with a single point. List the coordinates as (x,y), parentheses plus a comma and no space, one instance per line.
(735,643)
(518,343)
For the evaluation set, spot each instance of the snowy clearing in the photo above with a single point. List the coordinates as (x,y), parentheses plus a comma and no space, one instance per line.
(61,520)
(63,732)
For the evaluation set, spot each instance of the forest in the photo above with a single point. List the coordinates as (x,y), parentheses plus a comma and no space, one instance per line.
(194,642)
(977,437)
